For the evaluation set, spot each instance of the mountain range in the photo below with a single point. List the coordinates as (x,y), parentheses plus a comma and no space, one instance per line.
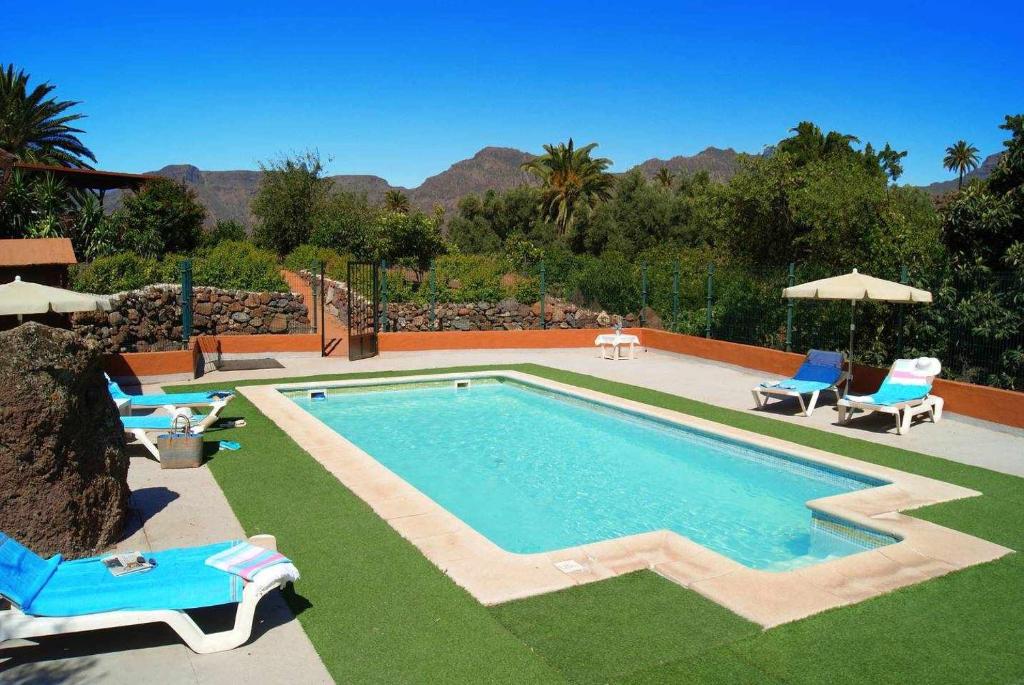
(987,165)
(228,194)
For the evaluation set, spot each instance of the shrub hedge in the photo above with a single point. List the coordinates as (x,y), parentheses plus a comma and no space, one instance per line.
(233,265)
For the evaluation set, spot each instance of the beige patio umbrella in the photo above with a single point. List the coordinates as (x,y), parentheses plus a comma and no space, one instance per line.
(854,287)
(21,297)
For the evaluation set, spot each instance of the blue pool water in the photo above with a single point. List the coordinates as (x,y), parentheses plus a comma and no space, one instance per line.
(534,471)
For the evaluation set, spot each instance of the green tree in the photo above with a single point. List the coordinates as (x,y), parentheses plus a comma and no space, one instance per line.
(573,182)
(224,230)
(410,239)
(986,219)
(961,157)
(396,201)
(809,144)
(345,223)
(292,192)
(164,216)
(35,126)
(664,178)
(891,161)
(482,224)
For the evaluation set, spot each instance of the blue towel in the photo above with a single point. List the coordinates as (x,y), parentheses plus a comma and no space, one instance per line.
(178,399)
(22,572)
(180,580)
(157,421)
(802,387)
(203,397)
(895,393)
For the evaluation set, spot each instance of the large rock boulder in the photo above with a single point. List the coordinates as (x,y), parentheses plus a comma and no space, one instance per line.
(63,464)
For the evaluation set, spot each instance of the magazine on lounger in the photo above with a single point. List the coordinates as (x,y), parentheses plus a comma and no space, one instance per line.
(123,564)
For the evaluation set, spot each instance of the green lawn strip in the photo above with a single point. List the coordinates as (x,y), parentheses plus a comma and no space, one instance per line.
(595,632)
(958,628)
(966,627)
(717,665)
(378,611)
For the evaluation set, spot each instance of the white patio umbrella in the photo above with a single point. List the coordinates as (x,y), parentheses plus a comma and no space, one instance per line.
(22,297)
(855,287)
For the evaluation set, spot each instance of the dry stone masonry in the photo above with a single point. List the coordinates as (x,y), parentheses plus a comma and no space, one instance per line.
(507,314)
(149,319)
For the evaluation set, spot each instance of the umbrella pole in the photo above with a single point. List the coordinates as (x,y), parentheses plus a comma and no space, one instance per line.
(853,317)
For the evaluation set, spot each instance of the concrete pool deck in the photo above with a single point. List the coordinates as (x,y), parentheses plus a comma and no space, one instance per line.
(187,507)
(173,508)
(494,576)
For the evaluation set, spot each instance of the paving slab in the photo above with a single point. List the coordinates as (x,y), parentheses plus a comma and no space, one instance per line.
(174,508)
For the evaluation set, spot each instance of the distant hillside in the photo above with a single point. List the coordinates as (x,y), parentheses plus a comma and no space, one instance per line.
(228,194)
(492,167)
(720,164)
(983,171)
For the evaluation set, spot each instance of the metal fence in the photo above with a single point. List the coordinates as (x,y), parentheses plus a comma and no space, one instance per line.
(975,324)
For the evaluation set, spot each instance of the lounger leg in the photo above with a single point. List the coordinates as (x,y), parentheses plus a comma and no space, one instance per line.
(757,398)
(844,413)
(812,403)
(903,423)
(143,438)
(937,409)
(803,407)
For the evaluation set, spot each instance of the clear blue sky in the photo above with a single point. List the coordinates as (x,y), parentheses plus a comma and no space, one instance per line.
(404,90)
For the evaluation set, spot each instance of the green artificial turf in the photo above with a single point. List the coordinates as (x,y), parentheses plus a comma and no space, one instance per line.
(377,611)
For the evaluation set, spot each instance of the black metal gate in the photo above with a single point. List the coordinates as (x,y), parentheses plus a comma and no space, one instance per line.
(363,307)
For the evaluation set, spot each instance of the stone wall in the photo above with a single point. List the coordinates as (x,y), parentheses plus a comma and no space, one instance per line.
(149,319)
(477,316)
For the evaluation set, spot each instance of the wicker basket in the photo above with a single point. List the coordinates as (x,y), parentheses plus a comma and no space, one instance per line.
(180,449)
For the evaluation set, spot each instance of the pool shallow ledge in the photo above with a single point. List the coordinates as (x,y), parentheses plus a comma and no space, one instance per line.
(493,575)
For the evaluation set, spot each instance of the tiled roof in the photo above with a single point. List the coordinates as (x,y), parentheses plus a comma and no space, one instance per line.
(36,252)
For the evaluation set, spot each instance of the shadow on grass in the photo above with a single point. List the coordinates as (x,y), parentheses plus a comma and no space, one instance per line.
(295,601)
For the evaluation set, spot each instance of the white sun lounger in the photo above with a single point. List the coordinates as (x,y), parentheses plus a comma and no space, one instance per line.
(820,371)
(211,400)
(18,625)
(905,393)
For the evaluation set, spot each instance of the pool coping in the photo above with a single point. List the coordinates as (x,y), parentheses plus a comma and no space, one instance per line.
(493,575)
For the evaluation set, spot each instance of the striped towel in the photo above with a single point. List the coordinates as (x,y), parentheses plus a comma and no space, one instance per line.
(246,560)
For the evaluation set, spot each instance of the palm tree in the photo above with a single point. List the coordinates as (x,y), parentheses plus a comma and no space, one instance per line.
(809,144)
(664,178)
(396,201)
(889,159)
(35,127)
(571,180)
(961,157)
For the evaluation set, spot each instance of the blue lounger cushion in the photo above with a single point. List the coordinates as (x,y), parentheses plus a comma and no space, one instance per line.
(179,398)
(820,370)
(23,573)
(802,387)
(203,397)
(180,580)
(156,422)
(892,393)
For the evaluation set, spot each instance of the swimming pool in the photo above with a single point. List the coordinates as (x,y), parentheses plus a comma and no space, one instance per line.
(535,470)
